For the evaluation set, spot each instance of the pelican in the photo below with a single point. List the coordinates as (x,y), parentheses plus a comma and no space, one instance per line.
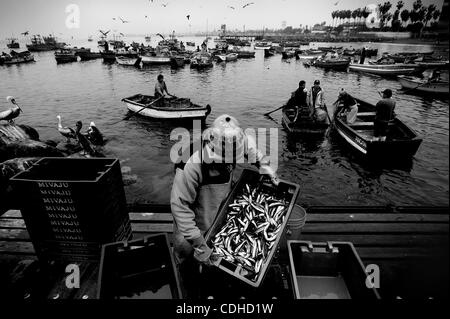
(94,135)
(11,114)
(84,143)
(67,132)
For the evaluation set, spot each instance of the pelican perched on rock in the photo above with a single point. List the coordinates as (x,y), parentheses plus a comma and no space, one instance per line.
(67,132)
(94,135)
(11,114)
(84,142)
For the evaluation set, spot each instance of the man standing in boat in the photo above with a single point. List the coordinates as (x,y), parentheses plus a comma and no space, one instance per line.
(384,113)
(200,186)
(161,90)
(316,102)
(299,101)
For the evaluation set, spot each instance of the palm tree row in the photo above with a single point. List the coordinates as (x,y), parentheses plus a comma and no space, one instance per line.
(342,16)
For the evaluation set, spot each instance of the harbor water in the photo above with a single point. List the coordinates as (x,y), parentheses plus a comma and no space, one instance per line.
(327,172)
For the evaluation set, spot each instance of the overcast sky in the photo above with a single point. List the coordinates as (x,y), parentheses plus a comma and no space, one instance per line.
(49,16)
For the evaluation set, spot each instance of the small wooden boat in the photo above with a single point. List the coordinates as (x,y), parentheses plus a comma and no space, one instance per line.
(269,52)
(121,60)
(287,54)
(88,55)
(177,61)
(179,108)
(66,55)
(148,38)
(151,59)
(90,39)
(384,69)
(401,140)
(16,57)
(303,124)
(308,54)
(108,56)
(201,61)
(190,44)
(335,64)
(329,49)
(421,85)
(262,45)
(243,54)
(13,43)
(227,57)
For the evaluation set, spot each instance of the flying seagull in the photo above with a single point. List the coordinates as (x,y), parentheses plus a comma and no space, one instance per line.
(336,3)
(188,16)
(114,18)
(164,5)
(231,7)
(122,34)
(105,33)
(123,21)
(246,5)
(25,33)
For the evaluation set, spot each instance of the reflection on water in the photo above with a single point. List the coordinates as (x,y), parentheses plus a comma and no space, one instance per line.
(326,171)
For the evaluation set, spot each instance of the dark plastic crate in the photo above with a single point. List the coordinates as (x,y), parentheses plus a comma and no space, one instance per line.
(71,206)
(288,191)
(138,269)
(331,270)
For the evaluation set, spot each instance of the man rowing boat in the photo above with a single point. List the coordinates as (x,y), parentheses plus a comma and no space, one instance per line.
(161,90)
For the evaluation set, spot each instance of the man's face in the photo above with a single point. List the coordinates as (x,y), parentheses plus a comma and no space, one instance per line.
(161,80)
(316,86)
(301,86)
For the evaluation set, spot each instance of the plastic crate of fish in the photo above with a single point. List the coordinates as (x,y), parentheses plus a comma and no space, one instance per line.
(249,225)
(140,269)
(331,270)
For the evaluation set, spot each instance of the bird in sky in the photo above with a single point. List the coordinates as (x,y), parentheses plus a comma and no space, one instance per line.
(25,33)
(114,19)
(246,5)
(336,3)
(231,7)
(146,17)
(164,5)
(122,34)
(123,21)
(188,16)
(105,33)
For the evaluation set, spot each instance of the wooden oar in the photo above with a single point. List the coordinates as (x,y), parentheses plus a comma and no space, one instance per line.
(327,133)
(266,114)
(137,112)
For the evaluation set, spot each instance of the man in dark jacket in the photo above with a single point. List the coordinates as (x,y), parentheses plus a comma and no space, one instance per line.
(384,114)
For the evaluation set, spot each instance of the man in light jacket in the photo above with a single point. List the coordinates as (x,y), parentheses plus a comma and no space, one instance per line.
(316,102)
(199,188)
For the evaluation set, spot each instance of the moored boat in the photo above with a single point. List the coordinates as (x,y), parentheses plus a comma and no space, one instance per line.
(269,52)
(401,140)
(287,54)
(308,54)
(335,64)
(384,69)
(262,45)
(227,57)
(302,123)
(421,85)
(108,56)
(177,108)
(177,61)
(16,57)
(190,44)
(65,55)
(121,60)
(242,54)
(88,55)
(153,58)
(201,61)
(148,38)
(13,43)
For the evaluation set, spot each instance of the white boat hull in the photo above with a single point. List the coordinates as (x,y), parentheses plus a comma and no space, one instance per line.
(422,86)
(154,60)
(382,69)
(262,47)
(126,62)
(162,114)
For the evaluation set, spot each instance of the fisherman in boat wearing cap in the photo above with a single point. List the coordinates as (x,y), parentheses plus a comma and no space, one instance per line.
(384,114)
(316,102)
(299,102)
(200,186)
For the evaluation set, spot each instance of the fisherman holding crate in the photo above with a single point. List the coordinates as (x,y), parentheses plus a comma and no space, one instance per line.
(201,185)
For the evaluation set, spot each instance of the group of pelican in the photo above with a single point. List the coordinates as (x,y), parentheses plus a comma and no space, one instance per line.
(86,140)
